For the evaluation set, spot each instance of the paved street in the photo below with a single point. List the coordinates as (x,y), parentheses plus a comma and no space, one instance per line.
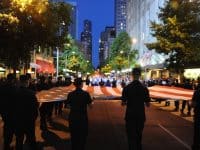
(163,130)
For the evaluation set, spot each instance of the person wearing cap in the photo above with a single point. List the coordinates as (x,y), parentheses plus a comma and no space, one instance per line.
(135,96)
(78,101)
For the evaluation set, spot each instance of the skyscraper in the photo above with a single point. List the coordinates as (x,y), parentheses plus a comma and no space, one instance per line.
(73,26)
(140,14)
(86,39)
(106,39)
(120,15)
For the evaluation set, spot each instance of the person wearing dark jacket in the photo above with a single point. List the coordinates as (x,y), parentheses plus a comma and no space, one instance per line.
(196,105)
(46,108)
(78,119)
(8,96)
(135,95)
(25,114)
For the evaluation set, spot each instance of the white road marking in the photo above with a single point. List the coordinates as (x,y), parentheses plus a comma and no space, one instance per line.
(175,137)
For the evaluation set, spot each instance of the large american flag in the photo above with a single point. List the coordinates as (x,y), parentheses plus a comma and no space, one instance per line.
(170,92)
(98,92)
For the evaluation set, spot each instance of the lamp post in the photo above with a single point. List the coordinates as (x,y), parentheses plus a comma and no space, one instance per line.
(133,41)
(57,61)
(57,49)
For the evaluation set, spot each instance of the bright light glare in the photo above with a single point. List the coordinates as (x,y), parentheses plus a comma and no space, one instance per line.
(134,40)
(25,5)
(192,73)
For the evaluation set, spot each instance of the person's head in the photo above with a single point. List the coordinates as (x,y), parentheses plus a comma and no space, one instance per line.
(42,79)
(78,82)
(11,78)
(136,73)
(24,81)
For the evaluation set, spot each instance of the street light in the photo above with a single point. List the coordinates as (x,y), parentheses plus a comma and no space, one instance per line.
(57,48)
(134,41)
(57,61)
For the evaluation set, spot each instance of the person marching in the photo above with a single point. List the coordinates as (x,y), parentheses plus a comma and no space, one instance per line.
(78,119)
(196,105)
(135,95)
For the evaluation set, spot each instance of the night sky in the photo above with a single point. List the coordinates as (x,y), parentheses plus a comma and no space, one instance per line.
(101,13)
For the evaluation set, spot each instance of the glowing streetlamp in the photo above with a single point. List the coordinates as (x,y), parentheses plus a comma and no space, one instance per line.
(134,41)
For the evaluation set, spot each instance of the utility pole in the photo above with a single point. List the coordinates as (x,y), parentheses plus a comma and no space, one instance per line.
(57,61)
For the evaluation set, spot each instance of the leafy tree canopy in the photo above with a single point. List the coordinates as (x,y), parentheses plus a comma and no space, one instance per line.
(122,56)
(178,33)
(28,23)
(73,59)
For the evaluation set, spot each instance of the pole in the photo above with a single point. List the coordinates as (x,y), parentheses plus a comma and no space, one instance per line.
(34,61)
(57,61)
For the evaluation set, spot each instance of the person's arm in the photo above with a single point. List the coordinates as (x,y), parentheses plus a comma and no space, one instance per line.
(195,97)
(68,101)
(124,96)
(147,97)
(90,101)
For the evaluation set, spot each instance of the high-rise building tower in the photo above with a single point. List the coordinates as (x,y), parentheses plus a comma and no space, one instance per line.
(73,26)
(120,15)
(86,39)
(140,13)
(106,39)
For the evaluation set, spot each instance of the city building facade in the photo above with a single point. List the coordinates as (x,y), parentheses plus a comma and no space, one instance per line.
(106,39)
(120,15)
(86,39)
(140,13)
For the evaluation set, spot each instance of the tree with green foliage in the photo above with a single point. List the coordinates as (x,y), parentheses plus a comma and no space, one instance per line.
(122,56)
(178,33)
(73,59)
(106,69)
(28,24)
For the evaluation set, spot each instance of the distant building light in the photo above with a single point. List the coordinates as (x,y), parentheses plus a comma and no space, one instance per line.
(2,69)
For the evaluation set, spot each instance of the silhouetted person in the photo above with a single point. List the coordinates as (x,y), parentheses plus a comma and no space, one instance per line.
(114,83)
(108,83)
(176,102)
(186,85)
(101,83)
(7,98)
(25,112)
(196,105)
(58,104)
(68,81)
(78,119)
(123,83)
(46,107)
(135,95)
(87,81)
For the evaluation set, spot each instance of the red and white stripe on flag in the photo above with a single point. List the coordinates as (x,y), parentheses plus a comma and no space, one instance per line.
(170,92)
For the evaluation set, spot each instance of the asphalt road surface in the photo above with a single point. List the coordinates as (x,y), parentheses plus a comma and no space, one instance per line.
(163,130)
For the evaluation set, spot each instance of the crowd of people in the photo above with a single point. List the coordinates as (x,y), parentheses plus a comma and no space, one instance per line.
(19,108)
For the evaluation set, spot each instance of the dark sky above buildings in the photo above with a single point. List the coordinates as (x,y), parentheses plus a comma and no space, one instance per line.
(101,13)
